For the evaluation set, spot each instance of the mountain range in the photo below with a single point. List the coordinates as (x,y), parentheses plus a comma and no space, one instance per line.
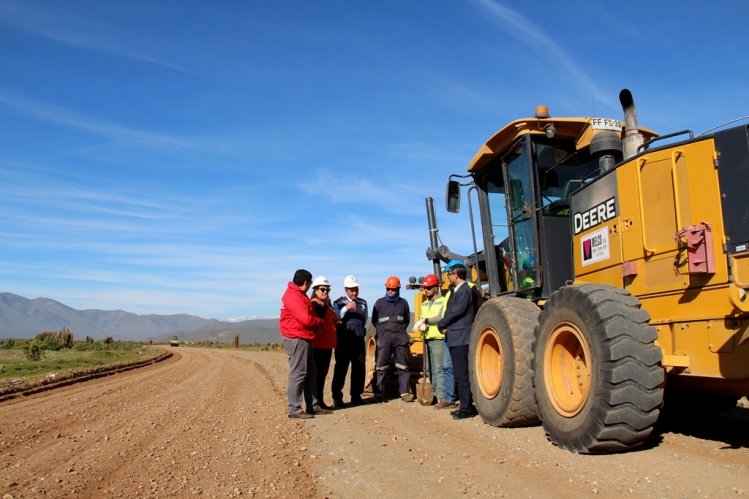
(25,318)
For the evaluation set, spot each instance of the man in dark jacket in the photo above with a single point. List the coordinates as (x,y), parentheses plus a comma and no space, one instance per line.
(391,316)
(298,325)
(352,313)
(456,326)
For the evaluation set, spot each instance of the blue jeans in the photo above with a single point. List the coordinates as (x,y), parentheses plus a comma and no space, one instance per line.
(435,352)
(448,376)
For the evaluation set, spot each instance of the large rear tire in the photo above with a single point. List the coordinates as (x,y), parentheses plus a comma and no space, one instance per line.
(500,353)
(598,374)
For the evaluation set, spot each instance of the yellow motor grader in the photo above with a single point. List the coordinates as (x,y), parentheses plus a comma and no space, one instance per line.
(616,263)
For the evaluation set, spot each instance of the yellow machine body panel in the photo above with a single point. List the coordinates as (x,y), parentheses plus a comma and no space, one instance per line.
(654,226)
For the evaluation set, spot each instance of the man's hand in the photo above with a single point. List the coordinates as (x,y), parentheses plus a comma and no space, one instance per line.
(420,326)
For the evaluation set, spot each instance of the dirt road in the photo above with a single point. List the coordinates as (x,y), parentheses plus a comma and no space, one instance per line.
(213,423)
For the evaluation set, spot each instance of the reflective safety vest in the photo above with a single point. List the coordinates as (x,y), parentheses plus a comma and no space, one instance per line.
(433,310)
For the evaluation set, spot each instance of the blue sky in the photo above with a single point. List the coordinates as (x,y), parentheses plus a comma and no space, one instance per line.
(188,156)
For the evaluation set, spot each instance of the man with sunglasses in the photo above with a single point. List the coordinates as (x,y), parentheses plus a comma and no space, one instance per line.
(351,329)
(456,326)
(390,316)
(324,342)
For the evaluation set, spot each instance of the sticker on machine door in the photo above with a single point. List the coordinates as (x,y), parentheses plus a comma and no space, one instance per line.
(595,246)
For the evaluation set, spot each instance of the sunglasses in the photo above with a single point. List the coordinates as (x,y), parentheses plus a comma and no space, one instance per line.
(353,290)
(430,287)
(392,289)
(324,290)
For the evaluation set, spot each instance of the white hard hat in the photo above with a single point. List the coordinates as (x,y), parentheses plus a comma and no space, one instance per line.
(350,282)
(320,280)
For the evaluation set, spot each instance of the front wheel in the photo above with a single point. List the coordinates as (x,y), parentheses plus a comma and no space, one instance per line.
(499,366)
(598,375)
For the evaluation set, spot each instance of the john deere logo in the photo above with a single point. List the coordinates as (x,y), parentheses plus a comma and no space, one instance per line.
(594,216)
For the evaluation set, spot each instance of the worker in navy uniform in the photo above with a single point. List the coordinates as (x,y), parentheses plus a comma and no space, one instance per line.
(390,316)
(352,314)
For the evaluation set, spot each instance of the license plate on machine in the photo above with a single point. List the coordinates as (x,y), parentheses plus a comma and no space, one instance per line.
(607,124)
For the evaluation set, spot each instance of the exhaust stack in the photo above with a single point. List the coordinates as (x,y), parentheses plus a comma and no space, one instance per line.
(633,139)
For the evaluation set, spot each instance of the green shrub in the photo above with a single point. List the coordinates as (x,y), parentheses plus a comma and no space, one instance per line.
(7,343)
(55,340)
(34,351)
(50,344)
(86,346)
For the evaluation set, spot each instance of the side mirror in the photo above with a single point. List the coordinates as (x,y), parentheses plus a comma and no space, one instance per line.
(453,196)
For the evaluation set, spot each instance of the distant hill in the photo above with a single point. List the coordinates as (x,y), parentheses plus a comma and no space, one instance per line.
(24,318)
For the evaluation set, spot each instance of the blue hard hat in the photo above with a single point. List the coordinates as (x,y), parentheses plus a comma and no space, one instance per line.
(454,263)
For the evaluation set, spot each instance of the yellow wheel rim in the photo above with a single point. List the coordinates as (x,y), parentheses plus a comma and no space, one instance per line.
(567,369)
(489,364)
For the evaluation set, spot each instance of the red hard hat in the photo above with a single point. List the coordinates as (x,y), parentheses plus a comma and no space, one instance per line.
(430,280)
(393,282)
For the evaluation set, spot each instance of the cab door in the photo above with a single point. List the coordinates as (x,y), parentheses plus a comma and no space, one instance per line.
(521,206)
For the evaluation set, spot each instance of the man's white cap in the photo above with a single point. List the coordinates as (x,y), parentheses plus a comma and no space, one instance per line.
(320,280)
(350,282)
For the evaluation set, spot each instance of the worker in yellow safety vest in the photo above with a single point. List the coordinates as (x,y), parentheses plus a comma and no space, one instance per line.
(433,308)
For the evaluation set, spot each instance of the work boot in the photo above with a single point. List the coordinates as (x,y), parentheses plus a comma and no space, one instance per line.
(407,397)
(301,415)
(443,404)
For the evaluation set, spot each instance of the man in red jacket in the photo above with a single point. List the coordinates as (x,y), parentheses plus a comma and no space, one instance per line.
(298,325)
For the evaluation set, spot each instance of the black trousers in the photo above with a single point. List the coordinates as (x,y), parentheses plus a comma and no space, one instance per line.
(322,358)
(459,356)
(392,346)
(349,350)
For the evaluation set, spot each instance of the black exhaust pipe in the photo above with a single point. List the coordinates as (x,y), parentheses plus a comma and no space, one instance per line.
(633,139)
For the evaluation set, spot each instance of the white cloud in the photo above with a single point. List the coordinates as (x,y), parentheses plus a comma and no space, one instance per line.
(71,119)
(79,31)
(527,32)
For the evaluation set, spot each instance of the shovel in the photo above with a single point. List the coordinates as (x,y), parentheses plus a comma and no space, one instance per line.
(424,389)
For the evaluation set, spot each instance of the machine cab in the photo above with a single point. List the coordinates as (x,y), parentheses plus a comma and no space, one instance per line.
(524,176)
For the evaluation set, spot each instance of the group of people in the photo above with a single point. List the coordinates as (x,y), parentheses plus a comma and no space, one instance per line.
(314,327)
